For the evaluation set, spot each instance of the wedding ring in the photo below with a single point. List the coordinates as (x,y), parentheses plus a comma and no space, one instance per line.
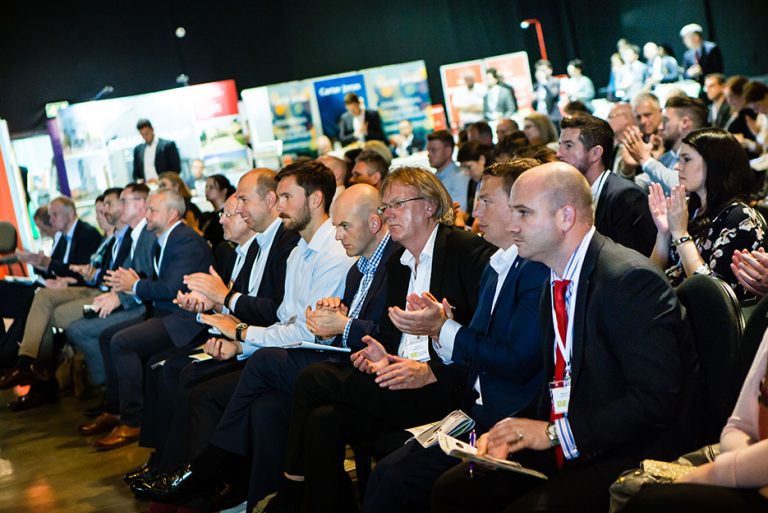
(519,435)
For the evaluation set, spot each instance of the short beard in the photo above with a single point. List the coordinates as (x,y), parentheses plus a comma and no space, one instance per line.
(301,222)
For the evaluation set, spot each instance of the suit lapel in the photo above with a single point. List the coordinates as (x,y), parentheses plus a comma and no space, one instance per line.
(438,277)
(510,283)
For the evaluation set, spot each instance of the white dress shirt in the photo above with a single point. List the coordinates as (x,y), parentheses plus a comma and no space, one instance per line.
(150,150)
(314,270)
(265,240)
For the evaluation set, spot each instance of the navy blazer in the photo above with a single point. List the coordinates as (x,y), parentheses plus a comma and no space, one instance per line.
(85,241)
(166,158)
(123,253)
(185,252)
(374,304)
(710,60)
(623,215)
(503,348)
(141,263)
(635,369)
(458,263)
(261,308)
(347,128)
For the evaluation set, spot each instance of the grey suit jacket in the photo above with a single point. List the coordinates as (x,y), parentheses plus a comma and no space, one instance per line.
(141,263)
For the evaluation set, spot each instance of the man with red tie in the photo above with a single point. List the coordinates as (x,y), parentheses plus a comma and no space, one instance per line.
(619,368)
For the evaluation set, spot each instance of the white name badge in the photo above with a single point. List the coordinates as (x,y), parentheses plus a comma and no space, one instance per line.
(560,395)
(415,348)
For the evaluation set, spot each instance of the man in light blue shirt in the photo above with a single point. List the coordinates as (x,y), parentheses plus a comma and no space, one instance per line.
(440,153)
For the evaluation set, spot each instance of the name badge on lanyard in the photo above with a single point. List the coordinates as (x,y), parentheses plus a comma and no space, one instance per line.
(560,395)
(560,390)
(415,347)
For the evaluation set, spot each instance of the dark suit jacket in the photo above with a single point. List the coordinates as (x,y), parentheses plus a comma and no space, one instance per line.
(710,60)
(261,309)
(503,348)
(458,263)
(505,105)
(623,215)
(123,253)
(185,252)
(347,128)
(634,364)
(552,97)
(166,158)
(373,308)
(723,115)
(141,263)
(85,242)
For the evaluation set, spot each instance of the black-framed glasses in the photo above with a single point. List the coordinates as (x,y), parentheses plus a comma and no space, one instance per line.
(396,205)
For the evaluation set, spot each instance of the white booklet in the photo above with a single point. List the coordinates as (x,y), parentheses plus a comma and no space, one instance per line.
(459,449)
(314,345)
(455,423)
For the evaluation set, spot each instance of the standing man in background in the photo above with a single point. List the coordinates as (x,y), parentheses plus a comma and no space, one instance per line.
(154,156)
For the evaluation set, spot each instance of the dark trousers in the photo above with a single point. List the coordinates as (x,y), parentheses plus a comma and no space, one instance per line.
(112,398)
(129,350)
(699,498)
(196,397)
(256,419)
(15,302)
(335,404)
(571,489)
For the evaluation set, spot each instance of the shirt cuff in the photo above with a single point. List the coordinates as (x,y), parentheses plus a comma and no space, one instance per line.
(233,302)
(345,335)
(133,292)
(446,341)
(565,435)
(250,341)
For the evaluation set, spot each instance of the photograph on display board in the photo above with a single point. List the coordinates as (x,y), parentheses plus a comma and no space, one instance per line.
(330,99)
(487,89)
(400,93)
(291,108)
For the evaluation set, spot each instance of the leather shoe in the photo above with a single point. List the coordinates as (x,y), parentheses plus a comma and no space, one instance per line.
(16,376)
(121,435)
(40,393)
(174,488)
(145,471)
(101,424)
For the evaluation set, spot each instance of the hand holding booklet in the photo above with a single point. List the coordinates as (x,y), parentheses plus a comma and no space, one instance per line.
(459,449)
(455,423)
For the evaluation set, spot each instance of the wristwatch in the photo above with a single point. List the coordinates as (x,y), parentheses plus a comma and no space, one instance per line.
(554,440)
(240,330)
(682,240)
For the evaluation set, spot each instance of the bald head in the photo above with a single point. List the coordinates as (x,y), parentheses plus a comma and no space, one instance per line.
(358,224)
(256,198)
(337,165)
(620,118)
(562,185)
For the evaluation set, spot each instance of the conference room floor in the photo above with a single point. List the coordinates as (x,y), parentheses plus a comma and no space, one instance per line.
(46,466)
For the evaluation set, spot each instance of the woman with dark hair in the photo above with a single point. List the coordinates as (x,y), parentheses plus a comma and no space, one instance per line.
(172,180)
(217,190)
(699,236)
(744,122)
(473,157)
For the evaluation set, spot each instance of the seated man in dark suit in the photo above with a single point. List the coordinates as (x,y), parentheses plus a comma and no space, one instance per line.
(334,403)
(621,207)
(620,367)
(179,251)
(154,156)
(358,124)
(500,348)
(257,415)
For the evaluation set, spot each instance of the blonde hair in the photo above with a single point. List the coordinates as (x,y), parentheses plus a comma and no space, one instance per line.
(547,130)
(181,187)
(428,185)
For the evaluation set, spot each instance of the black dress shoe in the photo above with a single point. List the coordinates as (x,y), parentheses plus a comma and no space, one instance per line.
(16,376)
(94,412)
(174,488)
(40,393)
(226,496)
(145,471)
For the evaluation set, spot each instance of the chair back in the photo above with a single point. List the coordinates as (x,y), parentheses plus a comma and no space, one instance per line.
(7,237)
(717,325)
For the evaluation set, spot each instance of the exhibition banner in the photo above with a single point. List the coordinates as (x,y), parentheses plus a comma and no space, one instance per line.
(401,92)
(330,99)
(464,105)
(291,108)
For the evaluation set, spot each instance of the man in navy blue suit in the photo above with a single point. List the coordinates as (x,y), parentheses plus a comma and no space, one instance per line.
(179,250)
(257,415)
(500,347)
(702,57)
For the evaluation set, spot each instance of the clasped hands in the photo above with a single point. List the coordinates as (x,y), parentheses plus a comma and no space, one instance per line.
(328,319)
(751,269)
(206,292)
(638,149)
(121,279)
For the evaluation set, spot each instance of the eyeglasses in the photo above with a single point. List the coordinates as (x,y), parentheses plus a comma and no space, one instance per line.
(396,205)
(224,213)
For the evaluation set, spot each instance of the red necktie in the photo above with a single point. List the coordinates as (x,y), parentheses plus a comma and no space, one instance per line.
(561,314)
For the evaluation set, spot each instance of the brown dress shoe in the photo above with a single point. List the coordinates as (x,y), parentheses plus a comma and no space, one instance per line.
(118,437)
(101,424)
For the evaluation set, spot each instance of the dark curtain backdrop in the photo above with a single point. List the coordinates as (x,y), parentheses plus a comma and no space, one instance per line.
(71,49)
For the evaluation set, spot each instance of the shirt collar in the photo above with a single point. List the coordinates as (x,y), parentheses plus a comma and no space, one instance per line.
(71,232)
(426,254)
(573,267)
(321,236)
(450,168)
(267,235)
(242,249)
(369,265)
(136,233)
(164,237)
(120,234)
(502,260)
